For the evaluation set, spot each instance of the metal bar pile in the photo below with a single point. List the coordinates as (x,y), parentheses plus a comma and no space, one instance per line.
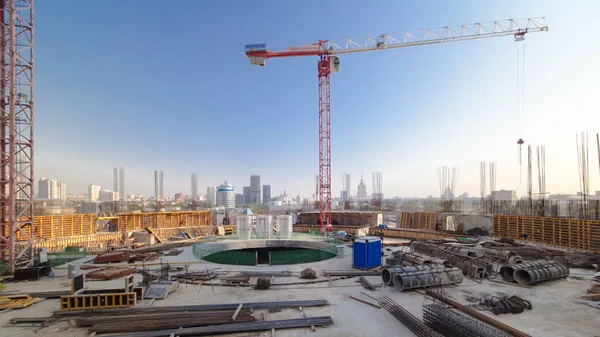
(212,330)
(473,267)
(351,273)
(534,272)
(451,323)
(161,321)
(196,308)
(406,318)
(478,315)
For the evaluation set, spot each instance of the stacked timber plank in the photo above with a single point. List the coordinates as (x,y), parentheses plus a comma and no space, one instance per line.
(562,232)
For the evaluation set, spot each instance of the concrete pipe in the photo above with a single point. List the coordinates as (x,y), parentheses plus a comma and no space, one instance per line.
(388,273)
(427,278)
(540,273)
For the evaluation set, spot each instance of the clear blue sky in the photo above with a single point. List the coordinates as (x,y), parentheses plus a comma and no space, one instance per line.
(165,85)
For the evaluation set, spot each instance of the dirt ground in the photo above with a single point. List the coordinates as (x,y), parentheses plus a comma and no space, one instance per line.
(557,309)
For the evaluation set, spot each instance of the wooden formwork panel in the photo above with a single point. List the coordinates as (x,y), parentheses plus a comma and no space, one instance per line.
(57,226)
(563,232)
(163,220)
(418,220)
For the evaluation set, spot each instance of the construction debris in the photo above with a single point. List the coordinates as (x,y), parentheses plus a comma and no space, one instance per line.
(308,274)
(501,305)
(113,257)
(17,301)
(262,283)
(109,273)
(160,290)
(366,302)
(366,284)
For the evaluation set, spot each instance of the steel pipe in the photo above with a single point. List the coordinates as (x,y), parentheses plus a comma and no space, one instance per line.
(387,275)
(426,278)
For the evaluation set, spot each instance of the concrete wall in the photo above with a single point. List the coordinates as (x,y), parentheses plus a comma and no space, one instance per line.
(464,222)
(360,219)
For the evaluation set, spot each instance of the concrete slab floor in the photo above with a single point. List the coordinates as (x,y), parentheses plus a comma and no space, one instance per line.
(557,309)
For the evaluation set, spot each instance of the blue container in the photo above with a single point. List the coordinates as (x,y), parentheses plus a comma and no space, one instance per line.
(366,252)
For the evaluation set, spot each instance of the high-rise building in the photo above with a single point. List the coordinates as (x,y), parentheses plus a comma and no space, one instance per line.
(179,197)
(362,189)
(62,191)
(211,195)
(266,194)
(345,193)
(52,189)
(246,193)
(239,199)
(107,195)
(121,189)
(255,190)
(226,195)
(94,192)
(115,179)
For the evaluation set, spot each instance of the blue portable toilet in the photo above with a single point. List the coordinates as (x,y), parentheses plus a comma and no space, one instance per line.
(366,252)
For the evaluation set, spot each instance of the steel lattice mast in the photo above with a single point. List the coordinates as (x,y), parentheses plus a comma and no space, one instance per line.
(16,134)
(328,63)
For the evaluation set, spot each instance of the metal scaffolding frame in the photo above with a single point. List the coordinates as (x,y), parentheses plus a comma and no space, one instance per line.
(16,134)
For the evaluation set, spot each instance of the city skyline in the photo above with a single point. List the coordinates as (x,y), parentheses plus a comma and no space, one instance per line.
(421,112)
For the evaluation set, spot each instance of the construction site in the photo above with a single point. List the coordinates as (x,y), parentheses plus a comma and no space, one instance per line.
(505,270)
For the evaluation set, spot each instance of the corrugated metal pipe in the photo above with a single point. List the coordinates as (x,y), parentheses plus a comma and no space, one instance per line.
(468,251)
(388,273)
(508,256)
(412,259)
(471,267)
(534,272)
(426,278)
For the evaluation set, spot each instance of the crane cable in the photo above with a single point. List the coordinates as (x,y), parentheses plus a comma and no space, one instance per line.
(520,101)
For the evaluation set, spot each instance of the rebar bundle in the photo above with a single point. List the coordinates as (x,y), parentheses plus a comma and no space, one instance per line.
(475,268)
(413,259)
(406,318)
(453,324)
(387,275)
(447,177)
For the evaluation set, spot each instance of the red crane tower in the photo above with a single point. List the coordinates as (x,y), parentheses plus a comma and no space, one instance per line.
(16,133)
(328,62)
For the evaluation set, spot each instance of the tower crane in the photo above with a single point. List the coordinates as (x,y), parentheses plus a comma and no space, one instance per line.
(327,52)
